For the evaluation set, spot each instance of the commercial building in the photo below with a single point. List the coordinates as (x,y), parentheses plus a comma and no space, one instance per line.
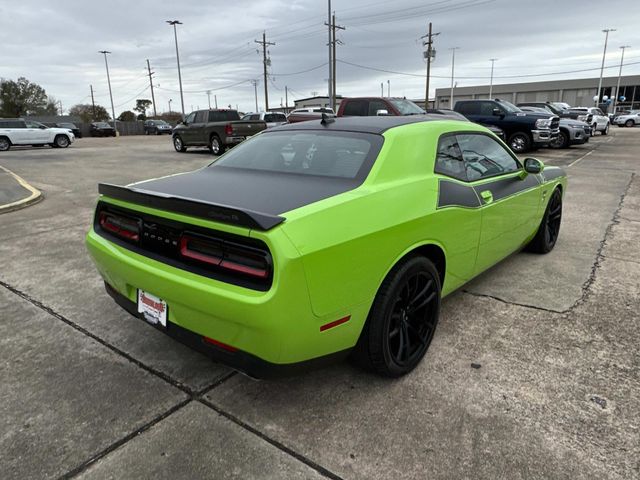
(577,93)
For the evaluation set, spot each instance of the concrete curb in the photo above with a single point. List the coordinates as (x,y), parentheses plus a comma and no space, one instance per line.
(34,197)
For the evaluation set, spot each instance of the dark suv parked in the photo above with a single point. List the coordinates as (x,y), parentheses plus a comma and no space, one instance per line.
(524,130)
(156,127)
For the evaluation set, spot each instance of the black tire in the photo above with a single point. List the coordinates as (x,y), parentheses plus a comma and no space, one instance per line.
(606,130)
(629,123)
(178,144)
(562,141)
(397,333)
(519,142)
(5,144)
(216,147)
(61,141)
(549,229)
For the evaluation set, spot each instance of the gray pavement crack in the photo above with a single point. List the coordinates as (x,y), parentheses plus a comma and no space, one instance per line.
(280,446)
(101,341)
(501,300)
(615,220)
(192,395)
(117,444)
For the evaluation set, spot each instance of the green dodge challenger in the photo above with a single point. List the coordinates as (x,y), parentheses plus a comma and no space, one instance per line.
(315,240)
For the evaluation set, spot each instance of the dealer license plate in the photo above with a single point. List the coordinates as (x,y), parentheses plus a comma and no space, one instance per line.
(152,308)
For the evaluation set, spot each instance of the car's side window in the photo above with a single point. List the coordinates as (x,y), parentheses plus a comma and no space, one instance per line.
(254,117)
(449,160)
(190,118)
(375,105)
(201,117)
(356,108)
(486,108)
(484,157)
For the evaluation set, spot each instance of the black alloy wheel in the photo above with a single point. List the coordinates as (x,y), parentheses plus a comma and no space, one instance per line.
(549,229)
(411,324)
(402,320)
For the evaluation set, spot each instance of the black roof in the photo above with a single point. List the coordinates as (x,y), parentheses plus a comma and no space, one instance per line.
(371,124)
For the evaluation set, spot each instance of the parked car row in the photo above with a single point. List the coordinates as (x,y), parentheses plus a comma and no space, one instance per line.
(628,119)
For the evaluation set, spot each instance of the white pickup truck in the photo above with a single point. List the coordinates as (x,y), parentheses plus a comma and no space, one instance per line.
(16,131)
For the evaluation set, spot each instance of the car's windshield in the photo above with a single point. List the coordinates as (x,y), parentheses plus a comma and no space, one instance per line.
(160,122)
(102,125)
(509,107)
(406,107)
(67,125)
(316,153)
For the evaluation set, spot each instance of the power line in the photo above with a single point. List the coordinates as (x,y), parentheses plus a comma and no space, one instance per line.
(479,77)
(300,72)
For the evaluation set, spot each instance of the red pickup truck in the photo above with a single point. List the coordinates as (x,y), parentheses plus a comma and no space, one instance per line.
(372,106)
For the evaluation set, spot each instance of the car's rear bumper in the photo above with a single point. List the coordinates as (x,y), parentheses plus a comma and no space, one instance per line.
(277,326)
(236,359)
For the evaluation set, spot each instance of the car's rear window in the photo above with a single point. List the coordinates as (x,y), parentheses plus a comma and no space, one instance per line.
(223,116)
(348,155)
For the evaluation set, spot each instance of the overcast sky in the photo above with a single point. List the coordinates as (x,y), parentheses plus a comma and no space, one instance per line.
(56,44)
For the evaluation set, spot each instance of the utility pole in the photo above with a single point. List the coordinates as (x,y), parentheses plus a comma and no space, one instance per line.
(330,92)
(106,64)
(153,98)
(604,54)
(265,63)
(615,99)
(332,43)
(388,88)
(209,98)
(60,103)
(175,34)
(430,55)
(286,100)
(93,103)
(453,65)
(215,99)
(170,100)
(381,89)
(493,60)
(255,91)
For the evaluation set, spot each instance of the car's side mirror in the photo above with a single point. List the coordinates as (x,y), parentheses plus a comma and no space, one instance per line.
(497,112)
(382,112)
(533,165)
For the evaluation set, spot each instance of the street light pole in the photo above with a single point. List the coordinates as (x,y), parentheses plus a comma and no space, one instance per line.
(615,99)
(493,60)
(106,64)
(453,65)
(170,100)
(604,53)
(175,34)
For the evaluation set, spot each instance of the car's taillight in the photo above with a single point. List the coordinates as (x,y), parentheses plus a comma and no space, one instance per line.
(228,129)
(229,256)
(121,226)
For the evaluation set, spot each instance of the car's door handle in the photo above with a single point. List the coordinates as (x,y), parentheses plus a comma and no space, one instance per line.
(487,196)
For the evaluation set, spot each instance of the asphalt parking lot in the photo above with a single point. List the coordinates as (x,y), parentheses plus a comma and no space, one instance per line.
(533,371)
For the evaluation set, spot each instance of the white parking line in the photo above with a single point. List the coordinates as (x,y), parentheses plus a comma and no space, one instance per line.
(581,158)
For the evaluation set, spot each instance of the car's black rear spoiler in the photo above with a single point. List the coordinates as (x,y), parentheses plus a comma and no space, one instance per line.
(190,206)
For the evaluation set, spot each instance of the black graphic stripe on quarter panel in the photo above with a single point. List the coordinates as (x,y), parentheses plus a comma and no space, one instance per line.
(505,187)
(551,173)
(453,194)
